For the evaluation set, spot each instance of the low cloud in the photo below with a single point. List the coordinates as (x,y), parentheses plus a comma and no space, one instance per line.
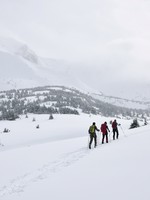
(109,41)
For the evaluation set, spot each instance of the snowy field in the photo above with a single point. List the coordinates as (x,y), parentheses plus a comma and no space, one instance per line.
(54,162)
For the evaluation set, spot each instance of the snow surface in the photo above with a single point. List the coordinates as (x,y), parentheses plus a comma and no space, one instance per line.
(54,162)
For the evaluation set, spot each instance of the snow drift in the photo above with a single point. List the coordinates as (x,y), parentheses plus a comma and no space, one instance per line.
(54,161)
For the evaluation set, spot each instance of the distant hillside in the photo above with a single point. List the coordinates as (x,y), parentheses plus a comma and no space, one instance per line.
(122,102)
(60,100)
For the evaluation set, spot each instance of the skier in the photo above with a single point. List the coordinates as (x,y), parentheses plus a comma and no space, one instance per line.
(115,129)
(104,130)
(92,131)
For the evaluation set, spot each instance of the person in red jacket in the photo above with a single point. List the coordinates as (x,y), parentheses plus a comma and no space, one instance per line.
(104,130)
(115,129)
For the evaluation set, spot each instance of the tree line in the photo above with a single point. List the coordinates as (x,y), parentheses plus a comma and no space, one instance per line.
(47,100)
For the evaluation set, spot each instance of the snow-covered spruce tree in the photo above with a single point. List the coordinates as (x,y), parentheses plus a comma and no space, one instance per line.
(51,116)
(33,119)
(38,126)
(134,124)
(145,121)
(9,115)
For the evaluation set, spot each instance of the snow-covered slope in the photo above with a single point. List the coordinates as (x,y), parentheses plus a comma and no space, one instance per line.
(127,103)
(53,162)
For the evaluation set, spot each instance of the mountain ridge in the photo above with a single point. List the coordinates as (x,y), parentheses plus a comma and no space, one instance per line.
(21,67)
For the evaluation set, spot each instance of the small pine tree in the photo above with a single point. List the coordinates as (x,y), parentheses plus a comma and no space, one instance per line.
(33,119)
(6,130)
(38,126)
(134,124)
(145,121)
(51,116)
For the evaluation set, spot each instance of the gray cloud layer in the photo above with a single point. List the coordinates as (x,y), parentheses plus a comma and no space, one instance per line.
(110,38)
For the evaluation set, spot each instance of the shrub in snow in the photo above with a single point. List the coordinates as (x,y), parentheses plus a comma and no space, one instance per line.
(134,124)
(38,126)
(33,119)
(6,130)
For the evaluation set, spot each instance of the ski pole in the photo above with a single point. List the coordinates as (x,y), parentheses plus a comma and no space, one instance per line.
(123,130)
(89,138)
(98,139)
(109,136)
(88,142)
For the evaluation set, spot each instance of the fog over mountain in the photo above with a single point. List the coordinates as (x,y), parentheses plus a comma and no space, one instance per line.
(94,45)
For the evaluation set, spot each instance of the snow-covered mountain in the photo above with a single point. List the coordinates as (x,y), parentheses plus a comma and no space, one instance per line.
(91,45)
(21,67)
(17,64)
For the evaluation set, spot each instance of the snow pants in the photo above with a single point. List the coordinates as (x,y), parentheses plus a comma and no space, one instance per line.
(103,138)
(93,136)
(115,133)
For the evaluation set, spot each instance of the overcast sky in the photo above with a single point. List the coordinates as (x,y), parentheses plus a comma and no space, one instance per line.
(110,37)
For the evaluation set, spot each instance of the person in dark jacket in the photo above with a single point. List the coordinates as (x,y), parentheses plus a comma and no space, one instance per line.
(92,131)
(104,130)
(115,129)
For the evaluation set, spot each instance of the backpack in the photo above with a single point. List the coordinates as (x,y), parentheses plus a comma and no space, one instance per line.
(91,129)
(114,125)
(103,128)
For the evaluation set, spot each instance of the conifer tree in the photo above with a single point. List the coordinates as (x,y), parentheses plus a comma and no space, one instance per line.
(134,124)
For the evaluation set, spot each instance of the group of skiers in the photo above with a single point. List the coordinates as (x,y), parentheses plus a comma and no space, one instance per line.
(104,129)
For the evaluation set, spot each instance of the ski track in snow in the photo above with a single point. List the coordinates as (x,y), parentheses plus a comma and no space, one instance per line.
(18,184)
